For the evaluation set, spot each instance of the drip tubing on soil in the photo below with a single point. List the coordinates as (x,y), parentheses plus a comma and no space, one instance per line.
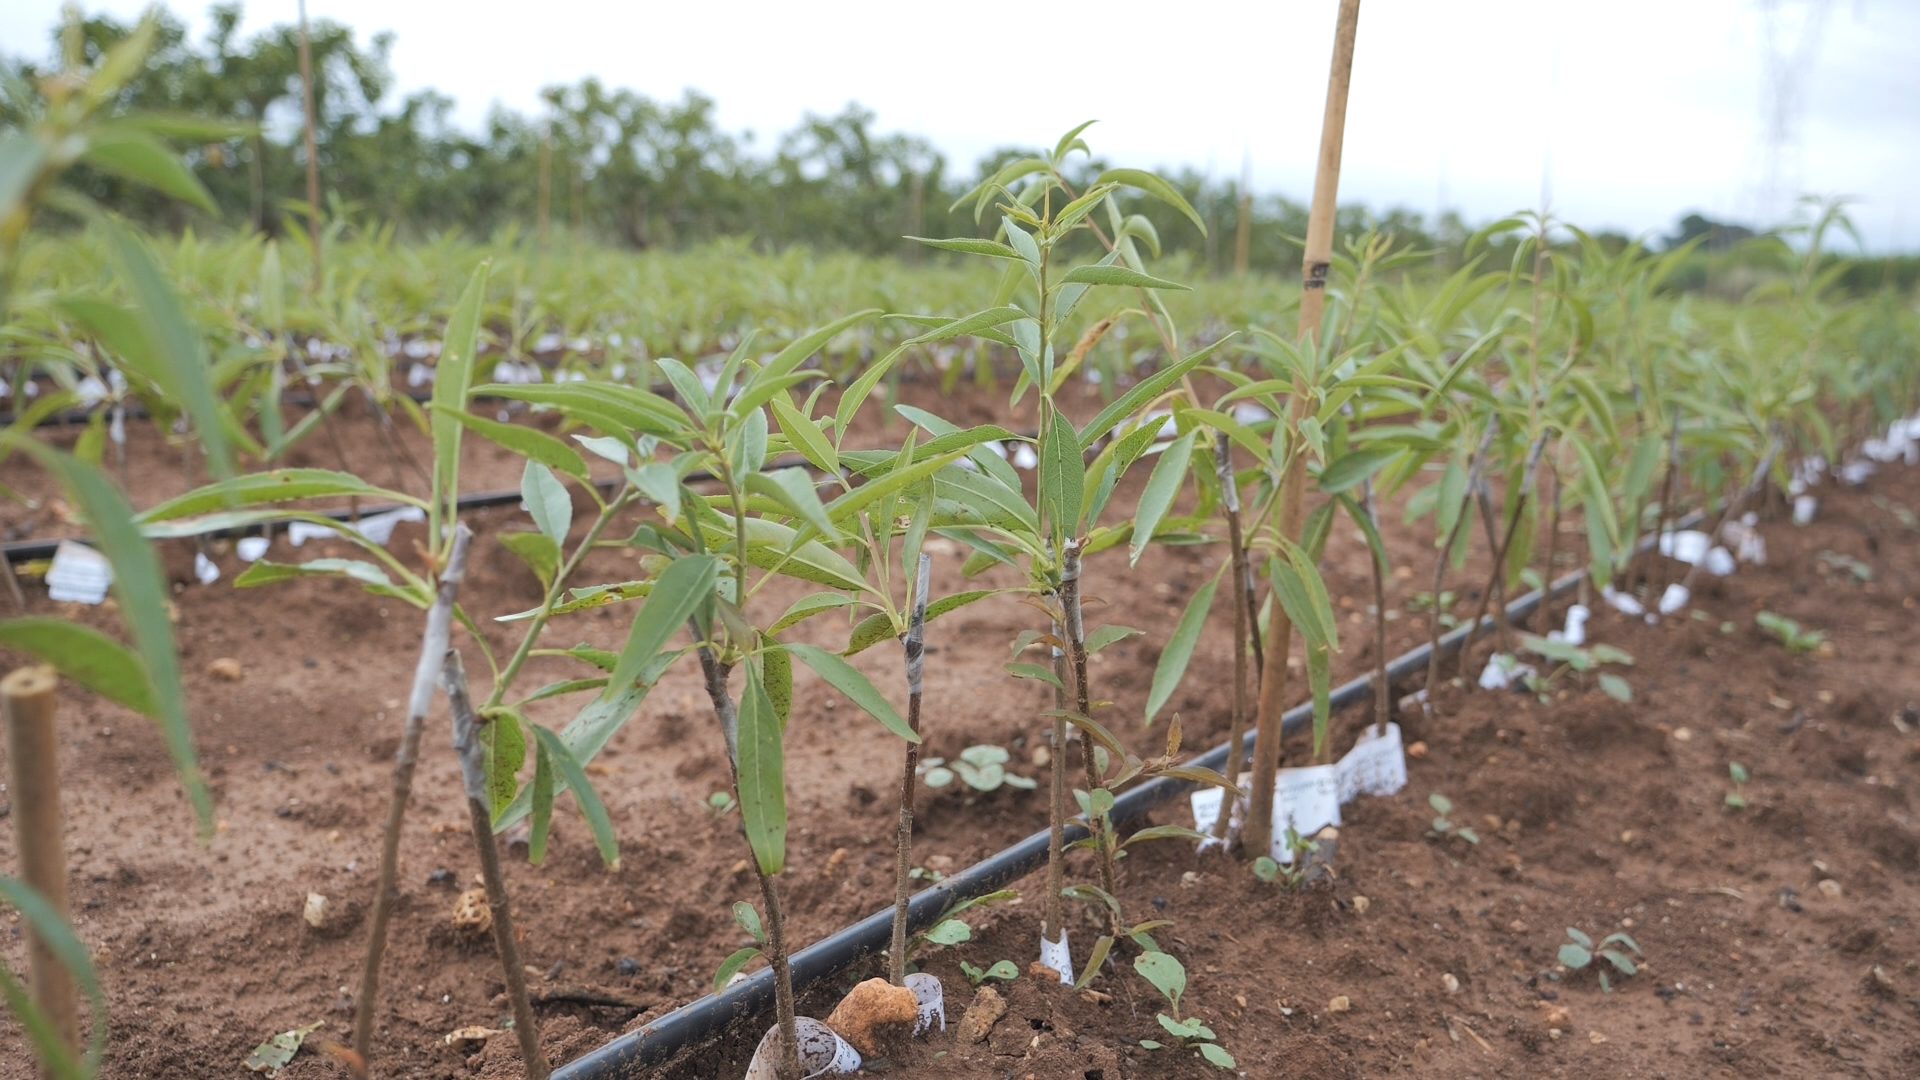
(628,1056)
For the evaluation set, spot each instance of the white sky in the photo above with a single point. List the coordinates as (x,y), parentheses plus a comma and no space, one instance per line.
(1633,111)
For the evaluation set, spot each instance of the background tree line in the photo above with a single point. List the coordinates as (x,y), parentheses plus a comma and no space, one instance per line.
(616,165)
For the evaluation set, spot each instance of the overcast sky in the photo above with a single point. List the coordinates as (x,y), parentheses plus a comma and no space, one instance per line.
(1630,112)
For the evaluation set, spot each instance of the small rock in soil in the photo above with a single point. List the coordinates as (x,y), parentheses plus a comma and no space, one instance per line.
(1556,1016)
(987,1009)
(870,1007)
(1830,888)
(226,669)
(1450,983)
(1417,751)
(1361,904)
(1340,1004)
(1879,982)
(317,911)
(471,915)
(626,967)
(441,876)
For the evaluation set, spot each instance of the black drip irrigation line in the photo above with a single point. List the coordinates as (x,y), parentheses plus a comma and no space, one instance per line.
(654,1043)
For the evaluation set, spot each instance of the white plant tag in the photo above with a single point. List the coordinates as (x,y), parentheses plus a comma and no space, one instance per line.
(419,375)
(1856,472)
(1576,629)
(1624,603)
(1503,671)
(1674,598)
(933,1001)
(78,574)
(251,548)
(1377,764)
(204,569)
(822,1052)
(1804,508)
(379,527)
(1023,456)
(1305,800)
(1057,956)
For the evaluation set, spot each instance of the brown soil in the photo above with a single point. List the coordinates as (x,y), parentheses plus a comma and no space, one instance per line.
(1607,813)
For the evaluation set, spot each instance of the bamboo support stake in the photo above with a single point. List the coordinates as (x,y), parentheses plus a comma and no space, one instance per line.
(313,152)
(1318,260)
(473,777)
(27,700)
(426,674)
(915,647)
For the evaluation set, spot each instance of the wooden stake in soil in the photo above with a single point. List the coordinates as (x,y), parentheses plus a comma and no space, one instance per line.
(27,700)
(473,776)
(426,674)
(1318,260)
(915,646)
(313,152)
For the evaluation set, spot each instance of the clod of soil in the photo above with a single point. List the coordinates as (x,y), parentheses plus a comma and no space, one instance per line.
(870,1008)
(471,915)
(987,1009)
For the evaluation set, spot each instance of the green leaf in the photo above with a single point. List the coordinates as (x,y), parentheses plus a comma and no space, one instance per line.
(505,746)
(778,664)
(136,156)
(371,577)
(538,551)
(542,799)
(805,435)
(273,486)
(749,919)
(453,377)
(1108,635)
(1169,473)
(735,962)
(1165,973)
(1062,476)
(845,678)
(59,939)
(968,245)
(1616,687)
(141,589)
(1134,400)
(184,368)
(762,776)
(1119,275)
(793,489)
(575,777)
(86,656)
(1179,651)
(1620,961)
(1021,670)
(679,591)
(547,501)
(1150,184)
(950,932)
(1575,956)
(534,444)
(1353,469)
(1217,1055)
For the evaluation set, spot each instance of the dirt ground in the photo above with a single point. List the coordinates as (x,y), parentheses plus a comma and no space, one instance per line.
(1593,814)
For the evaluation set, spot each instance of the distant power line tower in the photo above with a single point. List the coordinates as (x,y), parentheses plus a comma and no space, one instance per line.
(1791,31)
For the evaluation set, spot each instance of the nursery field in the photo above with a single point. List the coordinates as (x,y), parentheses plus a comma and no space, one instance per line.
(436,658)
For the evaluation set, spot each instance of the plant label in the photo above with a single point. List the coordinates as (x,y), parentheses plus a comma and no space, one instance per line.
(1674,598)
(1206,810)
(1377,765)
(1305,800)
(78,574)
(1575,632)
(1624,603)
(204,569)
(1804,507)
(822,1052)
(251,548)
(933,1001)
(1505,671)
(1057,956)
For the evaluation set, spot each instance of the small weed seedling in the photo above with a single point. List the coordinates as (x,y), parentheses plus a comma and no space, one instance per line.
(1795,637)
(1737,798)
(748,917)
(982,768)
(1833,561)
(1565,657)
(1443,824)
(1170,978)
(721,803)
(1295,874)
(1004,970)
(1579,952)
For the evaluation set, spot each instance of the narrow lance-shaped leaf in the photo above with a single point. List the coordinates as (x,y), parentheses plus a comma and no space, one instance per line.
(568,767)
(1179,651)
(762,776)
(677,593)
(452,379)
(847,679)
(1169,473)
